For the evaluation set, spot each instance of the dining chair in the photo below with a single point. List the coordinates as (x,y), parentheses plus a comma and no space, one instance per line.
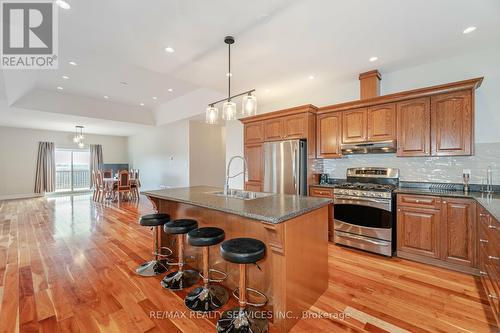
(135,183)
(100,187)
(94,184)
(123,184)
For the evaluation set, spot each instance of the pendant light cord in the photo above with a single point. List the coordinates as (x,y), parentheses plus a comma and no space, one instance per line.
(229,75)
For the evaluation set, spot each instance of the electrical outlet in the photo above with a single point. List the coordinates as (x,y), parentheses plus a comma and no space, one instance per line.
(467,172)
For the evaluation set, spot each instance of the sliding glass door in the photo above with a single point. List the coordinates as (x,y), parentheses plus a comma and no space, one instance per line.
(72,170)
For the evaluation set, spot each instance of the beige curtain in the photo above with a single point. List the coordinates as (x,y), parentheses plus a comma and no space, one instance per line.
(95,160)
(45,176)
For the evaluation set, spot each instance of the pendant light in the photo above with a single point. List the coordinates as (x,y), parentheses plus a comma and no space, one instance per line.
(78,138)
(229,108)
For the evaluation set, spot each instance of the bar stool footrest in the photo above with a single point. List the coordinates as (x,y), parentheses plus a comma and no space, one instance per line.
(223,275)
(254,291)
(162,255)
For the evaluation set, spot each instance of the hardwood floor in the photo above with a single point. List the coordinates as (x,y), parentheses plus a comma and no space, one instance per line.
(67,265)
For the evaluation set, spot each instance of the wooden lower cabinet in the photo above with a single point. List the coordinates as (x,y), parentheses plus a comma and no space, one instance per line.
(418,231)
(438,231)
(489,258)
(324,192)
(459,228)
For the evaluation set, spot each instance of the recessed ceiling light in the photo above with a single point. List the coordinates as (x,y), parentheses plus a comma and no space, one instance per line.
(141,104)
(65,77)
(169,49)
(123,83)
(170,89)
(63,4)
(267,90)
(469,29)
(311,77)
(72,63)
(155,98)
(372,59)
(60,88)
(106,97)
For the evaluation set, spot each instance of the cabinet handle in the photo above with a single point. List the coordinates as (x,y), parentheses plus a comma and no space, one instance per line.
(493,296)
(482,215)
(444,202)
(417,201)
(483,240)
(399,209)
(493,258)
(483,273)
(492,226)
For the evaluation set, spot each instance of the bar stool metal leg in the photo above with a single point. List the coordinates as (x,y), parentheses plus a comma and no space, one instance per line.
(209,297)
(244,318)
(158,265)
(180,279)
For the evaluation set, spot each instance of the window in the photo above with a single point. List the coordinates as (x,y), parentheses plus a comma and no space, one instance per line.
(72,170)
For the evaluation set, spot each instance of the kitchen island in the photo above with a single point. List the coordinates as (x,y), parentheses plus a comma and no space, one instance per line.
(294,272)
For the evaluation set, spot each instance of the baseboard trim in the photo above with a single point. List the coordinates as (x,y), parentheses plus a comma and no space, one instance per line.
(20,196)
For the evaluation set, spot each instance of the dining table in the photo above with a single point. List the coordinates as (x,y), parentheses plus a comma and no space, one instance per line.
(109,185)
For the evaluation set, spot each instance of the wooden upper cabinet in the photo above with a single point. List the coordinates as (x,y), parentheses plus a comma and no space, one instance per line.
(451,119)
(418,231)
(459,231)
(295,126)
(254,132)
(354,126)
(273,129)
(381,122)
(255,161)
(414,125)
(328,135)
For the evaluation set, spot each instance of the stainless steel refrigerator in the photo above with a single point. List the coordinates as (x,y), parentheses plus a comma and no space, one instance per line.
(285,167)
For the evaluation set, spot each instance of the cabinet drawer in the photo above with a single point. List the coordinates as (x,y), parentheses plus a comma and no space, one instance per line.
(321,192)
(419,201)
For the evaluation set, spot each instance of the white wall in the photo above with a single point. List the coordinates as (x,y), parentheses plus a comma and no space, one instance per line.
(162,155)
(18,154)
(207,154)
(487,118)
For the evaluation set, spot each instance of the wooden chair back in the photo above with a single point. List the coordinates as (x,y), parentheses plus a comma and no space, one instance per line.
(123,180)
(107,173)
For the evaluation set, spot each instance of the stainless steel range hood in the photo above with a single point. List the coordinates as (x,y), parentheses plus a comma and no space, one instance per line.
(378,147)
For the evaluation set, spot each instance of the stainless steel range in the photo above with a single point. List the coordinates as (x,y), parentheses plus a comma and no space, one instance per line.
(364,210)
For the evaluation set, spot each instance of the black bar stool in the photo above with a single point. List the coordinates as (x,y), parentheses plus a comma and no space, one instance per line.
(209,297)
(157,265)
(180,279)
(243,318)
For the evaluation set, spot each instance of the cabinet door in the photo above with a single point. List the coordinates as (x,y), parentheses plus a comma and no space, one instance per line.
(414,124)
(418,231)
(254,132)
(273,129)
(254,156)
(459,231)
(354,126)
(382,122)
(295,127)
(328,134)
(451,119)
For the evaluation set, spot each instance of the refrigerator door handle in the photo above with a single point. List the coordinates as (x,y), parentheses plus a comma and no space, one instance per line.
(294,171)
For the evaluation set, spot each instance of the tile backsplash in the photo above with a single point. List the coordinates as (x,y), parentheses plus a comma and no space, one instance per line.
(423,169)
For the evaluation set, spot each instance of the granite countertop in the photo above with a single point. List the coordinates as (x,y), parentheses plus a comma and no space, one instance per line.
(490,202)
(276,208)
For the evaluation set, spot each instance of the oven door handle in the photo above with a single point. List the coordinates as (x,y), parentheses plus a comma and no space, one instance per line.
(343,197)
(345,235)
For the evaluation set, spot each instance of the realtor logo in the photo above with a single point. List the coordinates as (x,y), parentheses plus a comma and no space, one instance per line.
(29,35)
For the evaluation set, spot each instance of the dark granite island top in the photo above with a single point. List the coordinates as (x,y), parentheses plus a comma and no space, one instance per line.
(272,209)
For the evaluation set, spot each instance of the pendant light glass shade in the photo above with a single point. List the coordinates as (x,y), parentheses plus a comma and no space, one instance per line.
(229,111)
(249,105)
(212,115)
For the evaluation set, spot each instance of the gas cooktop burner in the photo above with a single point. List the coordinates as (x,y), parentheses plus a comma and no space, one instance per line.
(367,187)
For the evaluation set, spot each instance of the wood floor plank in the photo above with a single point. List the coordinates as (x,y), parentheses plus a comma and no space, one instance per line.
(67,264)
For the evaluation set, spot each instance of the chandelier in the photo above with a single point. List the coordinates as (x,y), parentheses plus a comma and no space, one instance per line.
(229,109)
(78,138)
